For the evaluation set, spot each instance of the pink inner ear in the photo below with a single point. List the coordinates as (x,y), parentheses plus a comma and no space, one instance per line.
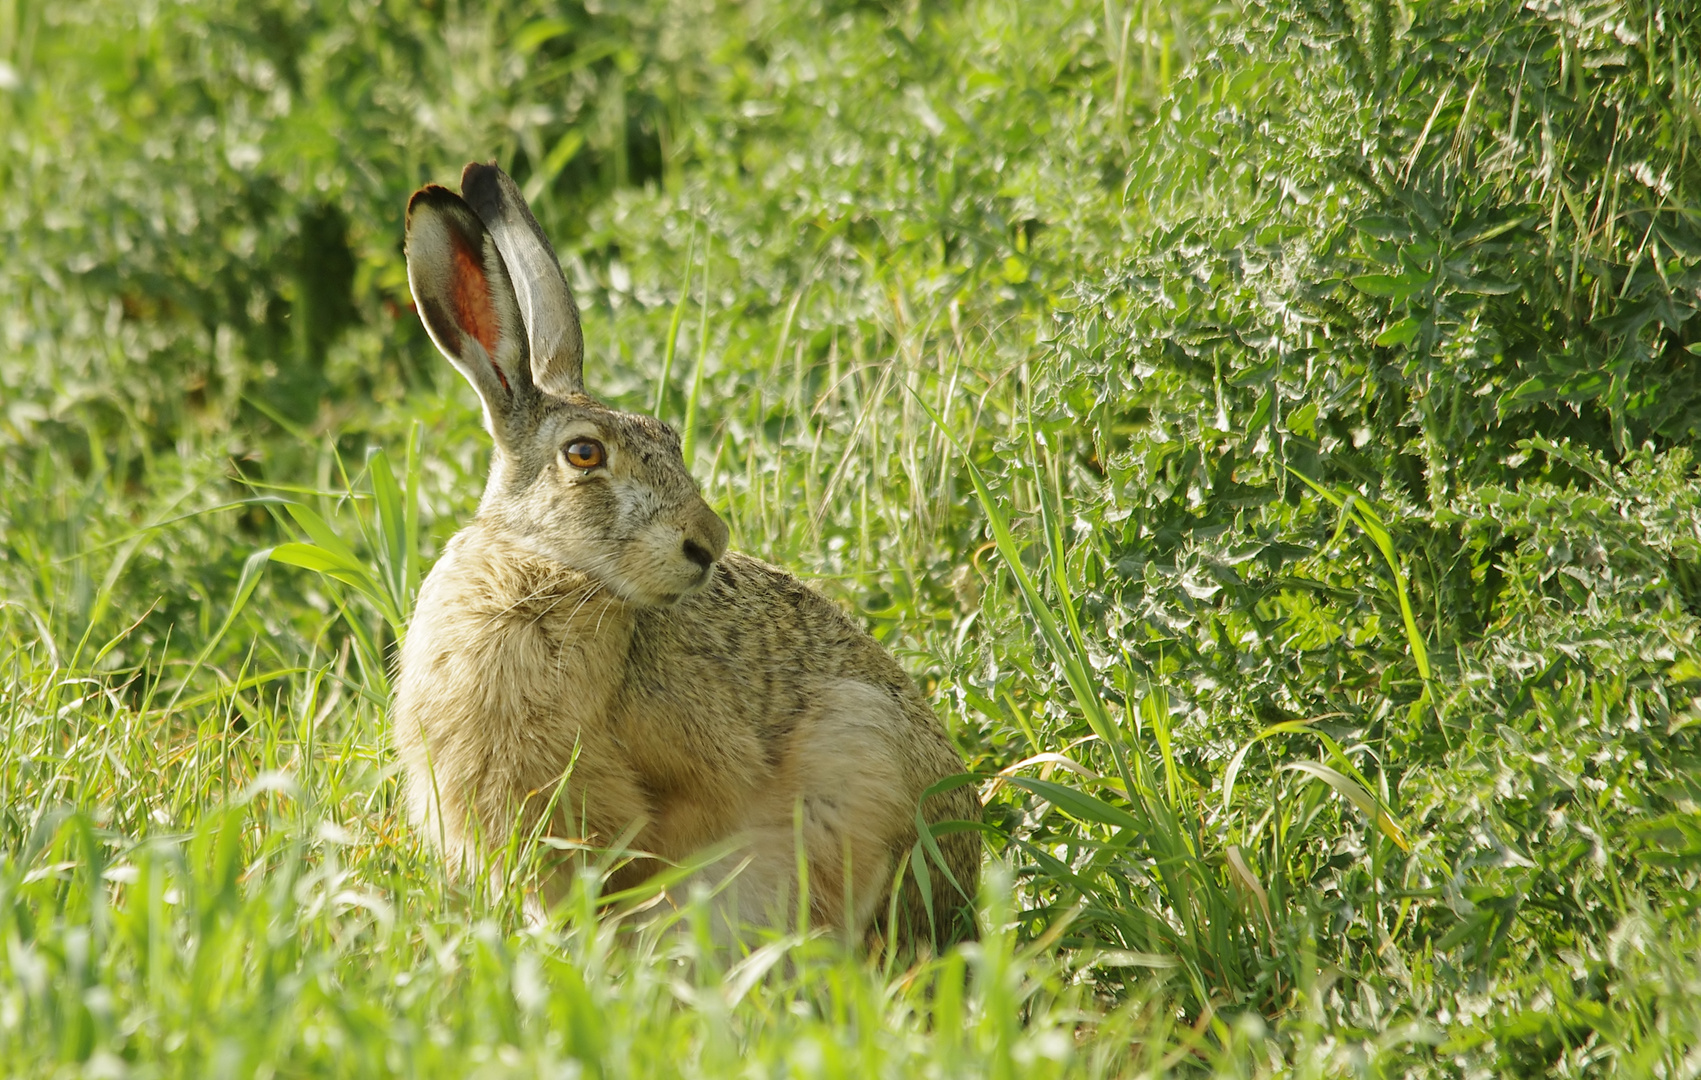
(473,309)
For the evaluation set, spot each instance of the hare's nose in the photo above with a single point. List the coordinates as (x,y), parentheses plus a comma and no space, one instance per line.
(698,554)
(705,536)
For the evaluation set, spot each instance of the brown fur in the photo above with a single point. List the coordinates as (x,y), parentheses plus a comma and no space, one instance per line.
(708,697)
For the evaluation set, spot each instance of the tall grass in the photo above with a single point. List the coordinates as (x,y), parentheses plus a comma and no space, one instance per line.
(293,929)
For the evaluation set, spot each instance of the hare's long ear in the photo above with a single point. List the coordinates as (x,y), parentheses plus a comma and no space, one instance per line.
(467,302)
(546,303)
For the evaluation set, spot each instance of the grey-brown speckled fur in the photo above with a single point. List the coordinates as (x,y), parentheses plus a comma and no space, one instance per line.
(589,623)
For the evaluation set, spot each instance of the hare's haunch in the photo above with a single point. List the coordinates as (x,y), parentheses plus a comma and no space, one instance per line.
(589,632)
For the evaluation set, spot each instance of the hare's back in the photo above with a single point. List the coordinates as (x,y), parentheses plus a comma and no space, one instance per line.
(770,636)
(734,668)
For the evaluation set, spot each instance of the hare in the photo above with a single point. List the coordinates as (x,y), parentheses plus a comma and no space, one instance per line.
(587,659)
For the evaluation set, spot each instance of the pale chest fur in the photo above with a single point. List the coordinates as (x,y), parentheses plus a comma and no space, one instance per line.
(516,671)
(508,670)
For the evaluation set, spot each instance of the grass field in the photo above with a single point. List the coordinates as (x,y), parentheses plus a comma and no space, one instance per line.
(1266,430)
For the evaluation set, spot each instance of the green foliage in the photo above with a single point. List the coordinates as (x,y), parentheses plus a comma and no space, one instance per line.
(1266,432)
(1446,274)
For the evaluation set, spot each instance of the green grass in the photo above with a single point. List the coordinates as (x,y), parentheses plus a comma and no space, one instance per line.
(1266,431)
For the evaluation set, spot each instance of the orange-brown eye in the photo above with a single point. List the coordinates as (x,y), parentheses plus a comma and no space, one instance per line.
(585,453)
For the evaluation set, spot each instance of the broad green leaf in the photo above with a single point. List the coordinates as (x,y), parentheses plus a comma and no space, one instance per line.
(1393,286)
(1384,228)
(1532,391)
(1401,332)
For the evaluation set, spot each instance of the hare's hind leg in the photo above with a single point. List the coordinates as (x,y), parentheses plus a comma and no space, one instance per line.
(842,789)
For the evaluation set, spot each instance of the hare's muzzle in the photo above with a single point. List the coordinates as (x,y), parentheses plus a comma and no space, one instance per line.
(705,538)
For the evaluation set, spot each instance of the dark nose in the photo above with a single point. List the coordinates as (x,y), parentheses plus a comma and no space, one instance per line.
(698,554)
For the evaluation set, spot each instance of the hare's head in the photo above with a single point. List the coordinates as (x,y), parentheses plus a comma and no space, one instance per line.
(601,491)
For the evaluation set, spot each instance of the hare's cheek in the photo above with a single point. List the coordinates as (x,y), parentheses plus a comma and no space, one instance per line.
(634,505)
(588,507)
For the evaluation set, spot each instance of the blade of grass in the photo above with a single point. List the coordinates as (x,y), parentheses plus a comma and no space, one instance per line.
(688,438)
(251,571)
(1075,670)
(1354,508)
(659,402)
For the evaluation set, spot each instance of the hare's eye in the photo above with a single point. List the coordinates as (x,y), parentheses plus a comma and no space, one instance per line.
(585,453)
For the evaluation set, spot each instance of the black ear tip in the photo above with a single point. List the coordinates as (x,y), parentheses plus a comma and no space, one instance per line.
(479,176)
(433,195)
